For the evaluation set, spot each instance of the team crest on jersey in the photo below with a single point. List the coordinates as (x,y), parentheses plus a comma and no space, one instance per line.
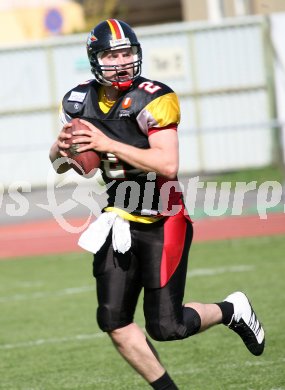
(127,102)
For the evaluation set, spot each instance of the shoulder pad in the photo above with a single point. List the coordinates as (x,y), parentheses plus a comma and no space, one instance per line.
(74,100)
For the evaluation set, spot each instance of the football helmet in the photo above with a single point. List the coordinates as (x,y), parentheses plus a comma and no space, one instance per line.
(113,34)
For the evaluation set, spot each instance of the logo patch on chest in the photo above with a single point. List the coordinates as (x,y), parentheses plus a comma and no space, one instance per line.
(127,102)
(76,96)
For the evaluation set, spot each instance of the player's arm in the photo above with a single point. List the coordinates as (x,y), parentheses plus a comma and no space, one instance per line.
(161,157)
(158,120)
(58,151)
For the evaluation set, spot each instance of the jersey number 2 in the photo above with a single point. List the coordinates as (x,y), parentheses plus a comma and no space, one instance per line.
(149,87)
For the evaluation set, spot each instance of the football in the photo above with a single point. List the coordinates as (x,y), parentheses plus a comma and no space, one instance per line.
(84,162)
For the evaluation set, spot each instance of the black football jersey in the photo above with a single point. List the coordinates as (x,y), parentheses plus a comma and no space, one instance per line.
(148,106)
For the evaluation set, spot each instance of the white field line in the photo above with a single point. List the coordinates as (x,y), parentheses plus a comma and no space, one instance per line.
(234,366)
(29,284)
(79,290)
(219,270)
(26,284)
(39,294)
(36,343)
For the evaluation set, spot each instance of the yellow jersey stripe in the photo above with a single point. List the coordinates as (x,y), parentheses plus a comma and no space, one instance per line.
(130,217)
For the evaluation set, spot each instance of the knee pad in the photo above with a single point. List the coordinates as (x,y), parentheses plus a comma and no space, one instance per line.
(156,332)
(192,321)
(109,320)
(169,329)
(103,319)
(166,331)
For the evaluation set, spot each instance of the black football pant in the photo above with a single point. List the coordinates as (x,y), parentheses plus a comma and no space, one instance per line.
(157,263)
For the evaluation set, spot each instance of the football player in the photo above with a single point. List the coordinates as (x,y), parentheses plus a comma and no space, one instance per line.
(147,232)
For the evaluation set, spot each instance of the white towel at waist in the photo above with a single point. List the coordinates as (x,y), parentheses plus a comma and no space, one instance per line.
(97,232)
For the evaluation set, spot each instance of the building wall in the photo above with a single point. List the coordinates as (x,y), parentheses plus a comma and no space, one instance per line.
(25,23)
(141,13)
(194,10)
(217,70)
(265,7)
(229,8)
(199,10)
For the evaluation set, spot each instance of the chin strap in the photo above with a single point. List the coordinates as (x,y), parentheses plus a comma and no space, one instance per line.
(122,85)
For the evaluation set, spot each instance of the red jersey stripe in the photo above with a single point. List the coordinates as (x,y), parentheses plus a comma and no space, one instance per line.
(115,28)
(172,126)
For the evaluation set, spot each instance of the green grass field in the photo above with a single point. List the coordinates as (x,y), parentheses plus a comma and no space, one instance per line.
(49,338)
(271,173)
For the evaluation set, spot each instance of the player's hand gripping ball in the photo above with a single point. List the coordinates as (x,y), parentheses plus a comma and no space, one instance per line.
(84,162)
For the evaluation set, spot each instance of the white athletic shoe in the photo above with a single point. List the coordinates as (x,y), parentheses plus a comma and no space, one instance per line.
(245,323)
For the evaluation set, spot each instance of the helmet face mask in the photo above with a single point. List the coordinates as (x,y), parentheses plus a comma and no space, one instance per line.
(108,36)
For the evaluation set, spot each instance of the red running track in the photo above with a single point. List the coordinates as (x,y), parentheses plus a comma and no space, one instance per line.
(47,237)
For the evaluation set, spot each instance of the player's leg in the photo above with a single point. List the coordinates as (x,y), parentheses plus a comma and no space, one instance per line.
(164,279)
(132,344)
(167,319)
(210,314)
(237,313)
(118,286)
(137,350)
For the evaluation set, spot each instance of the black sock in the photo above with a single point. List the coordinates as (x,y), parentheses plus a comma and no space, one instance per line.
(164,383)
(227,309)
